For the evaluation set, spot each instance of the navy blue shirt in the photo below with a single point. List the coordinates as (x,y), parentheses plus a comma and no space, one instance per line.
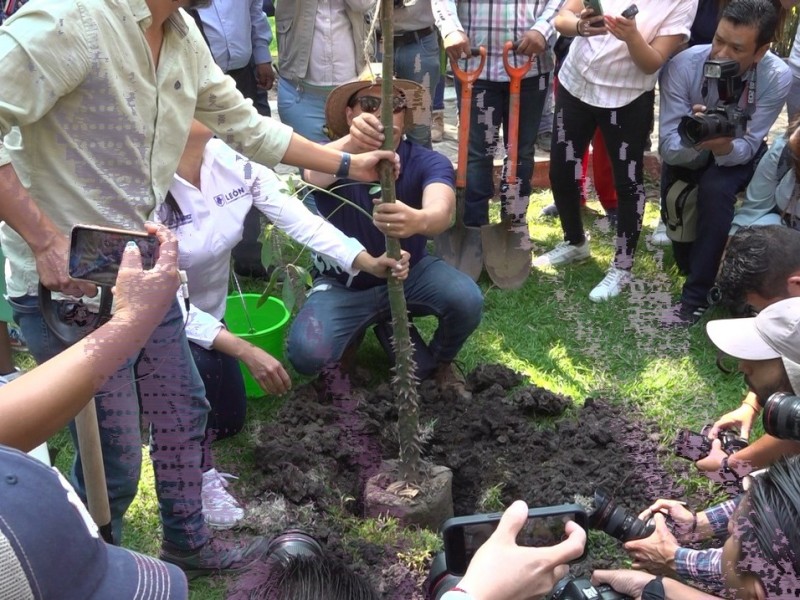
(705,22)
(420,168)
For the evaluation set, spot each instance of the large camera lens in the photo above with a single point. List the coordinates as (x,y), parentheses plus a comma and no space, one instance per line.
(616,521)
(699,128)
(289,544)
(782,416)
(440,581)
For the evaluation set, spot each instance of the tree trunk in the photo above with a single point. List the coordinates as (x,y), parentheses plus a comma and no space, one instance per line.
(405,380)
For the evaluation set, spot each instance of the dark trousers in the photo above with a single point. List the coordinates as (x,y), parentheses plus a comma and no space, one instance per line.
(248,250)
(225,393)
(716,196)
(490,111)
(625,131)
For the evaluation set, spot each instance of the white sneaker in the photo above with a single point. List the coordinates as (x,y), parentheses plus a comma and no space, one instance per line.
(659,237)
(563,254)
(220,509)
(611,285)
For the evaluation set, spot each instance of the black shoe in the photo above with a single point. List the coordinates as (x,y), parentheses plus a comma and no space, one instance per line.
(216,556)
(682,315)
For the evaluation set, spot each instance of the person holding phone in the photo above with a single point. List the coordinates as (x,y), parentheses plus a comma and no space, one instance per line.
(106,112)
(503,570)
(607,81)
(208,230)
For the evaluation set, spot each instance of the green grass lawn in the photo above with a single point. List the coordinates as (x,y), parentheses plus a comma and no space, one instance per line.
(553,334)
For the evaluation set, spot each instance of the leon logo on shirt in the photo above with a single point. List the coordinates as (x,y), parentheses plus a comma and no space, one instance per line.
(231,196)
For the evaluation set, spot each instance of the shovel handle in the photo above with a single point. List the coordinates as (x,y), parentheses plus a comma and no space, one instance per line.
(515,75)
(466,79)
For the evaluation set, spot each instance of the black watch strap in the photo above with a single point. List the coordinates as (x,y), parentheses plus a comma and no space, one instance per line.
(654,590)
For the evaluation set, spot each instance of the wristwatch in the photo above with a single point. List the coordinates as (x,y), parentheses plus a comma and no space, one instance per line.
(654,590)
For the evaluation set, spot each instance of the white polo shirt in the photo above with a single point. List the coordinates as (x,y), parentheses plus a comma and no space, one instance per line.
(599,70)
(213,221)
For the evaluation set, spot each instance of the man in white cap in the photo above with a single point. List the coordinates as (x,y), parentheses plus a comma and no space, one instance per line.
(768,350)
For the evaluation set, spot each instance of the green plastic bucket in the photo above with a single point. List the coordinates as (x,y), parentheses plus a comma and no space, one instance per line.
(269,322)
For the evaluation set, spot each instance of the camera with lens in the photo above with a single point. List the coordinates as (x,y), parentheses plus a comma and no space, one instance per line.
(290,544)
(727,118)
(580,588)
(617,521)
(782,416)
(696,446)
(439,580)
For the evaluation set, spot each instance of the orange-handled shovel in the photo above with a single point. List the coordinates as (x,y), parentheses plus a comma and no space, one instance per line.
(460,246)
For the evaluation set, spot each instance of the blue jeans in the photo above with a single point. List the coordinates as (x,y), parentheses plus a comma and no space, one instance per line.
(333,316)
(716,200)
(163,384)
(489,111)
(303,109)
(420,62)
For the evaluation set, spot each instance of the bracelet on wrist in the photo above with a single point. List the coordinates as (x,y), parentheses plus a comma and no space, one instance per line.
(756,409)
(654,590)
(344,165)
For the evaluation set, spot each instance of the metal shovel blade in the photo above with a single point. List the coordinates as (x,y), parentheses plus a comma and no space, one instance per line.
(506,254)
(460,247)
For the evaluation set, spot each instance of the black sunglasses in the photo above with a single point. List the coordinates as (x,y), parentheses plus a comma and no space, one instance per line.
(371,104)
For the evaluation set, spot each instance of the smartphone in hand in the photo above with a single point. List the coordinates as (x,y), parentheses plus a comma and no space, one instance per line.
(545,527)
(631,11)
(595,6)
(95,252)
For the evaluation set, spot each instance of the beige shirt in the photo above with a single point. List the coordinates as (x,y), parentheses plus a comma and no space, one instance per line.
(334,61)
(93,130)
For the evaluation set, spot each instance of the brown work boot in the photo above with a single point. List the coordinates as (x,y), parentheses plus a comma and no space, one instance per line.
(437,126)
(451,380)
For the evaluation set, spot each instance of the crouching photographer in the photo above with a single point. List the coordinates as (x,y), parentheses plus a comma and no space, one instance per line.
(718,103)
(501,569)
(759,559)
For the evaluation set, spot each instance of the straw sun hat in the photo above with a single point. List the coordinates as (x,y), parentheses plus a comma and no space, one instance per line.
(417,103)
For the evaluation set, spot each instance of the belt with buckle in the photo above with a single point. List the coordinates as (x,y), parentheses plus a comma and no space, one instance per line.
(411,37)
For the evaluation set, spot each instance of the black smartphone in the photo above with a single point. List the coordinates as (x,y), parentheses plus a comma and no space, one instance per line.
(691,445)
(96,252)
(631,11)
(595,6)
(545,527)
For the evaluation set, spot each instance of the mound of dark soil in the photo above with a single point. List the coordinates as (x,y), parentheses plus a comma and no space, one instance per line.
(523,442)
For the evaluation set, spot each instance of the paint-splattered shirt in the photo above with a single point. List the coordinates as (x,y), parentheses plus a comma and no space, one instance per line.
(491,23)
(93,129)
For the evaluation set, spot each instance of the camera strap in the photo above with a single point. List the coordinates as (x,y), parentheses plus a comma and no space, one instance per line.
(750,101)
(748,93)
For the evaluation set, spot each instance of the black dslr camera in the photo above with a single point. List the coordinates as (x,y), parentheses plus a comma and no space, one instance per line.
(696,446)
(782,416)
(574,588)
(617,521)
(726,119)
